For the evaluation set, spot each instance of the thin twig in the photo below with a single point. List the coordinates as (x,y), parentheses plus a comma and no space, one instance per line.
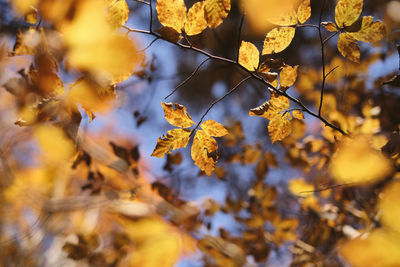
(188,78)
(330,36)
(326,188)
(218,100)
(151,16)
(148,46)
(239,36)
(305,25)
(332,70)
(142,1)
(322,59)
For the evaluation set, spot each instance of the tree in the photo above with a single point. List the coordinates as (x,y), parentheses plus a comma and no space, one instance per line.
(317,186)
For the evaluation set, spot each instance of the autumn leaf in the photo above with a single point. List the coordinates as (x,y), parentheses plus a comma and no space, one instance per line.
(348,47)
(117,13)
(330,26)
(176,138)
(370,31)
(195,21)
(248,56)
(297,114)
(279,127)
(347,12)
(390,212)
(278,40)
(288,76)
(172,13)
(213,128)
(177,115)
(357,162)
(304,11)
(216,11)
(286,18)
(299,187)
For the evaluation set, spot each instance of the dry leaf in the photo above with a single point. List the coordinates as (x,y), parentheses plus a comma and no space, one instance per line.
(216,11)
(288,76)
(248,56)
(213,128)
(117,13)
(370,31)
(330,26)
(172,13)
(304,11)
(177,115)
(278,39)
(176,138)
(348,47)
(347,12)
(196,21)
(203,152)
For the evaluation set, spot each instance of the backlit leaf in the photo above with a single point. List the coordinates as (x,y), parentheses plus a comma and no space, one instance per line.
(370,31)
(300,187)
(213,128)
(390,211)
(279,127)
(176,138)
(249,56)
(177,115)
(347,12)
(356,162)
(203,152)
(278,39)
(297,114)
(304,11)
(196,21)
(288,76)
(269,109)
(216,11)
(117,13)
(330,26)
(348,47)
(172,13)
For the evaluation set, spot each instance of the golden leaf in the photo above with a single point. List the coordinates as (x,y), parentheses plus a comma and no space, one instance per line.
(330,26)
(176,138)
(248,56)
(286,18)
(24,6)
(172,13)
(196,21)
(348,47)
(300,187)
(216,11)
(288,76)
(304,11)
(358,163)
(370,31)
(213,128)
(31,16)
(117,13)
(378,248)
(390,210)
(278,39)
(279,127)
(269,109)
(177,115)
(203,152)
(297,114)
(347,12)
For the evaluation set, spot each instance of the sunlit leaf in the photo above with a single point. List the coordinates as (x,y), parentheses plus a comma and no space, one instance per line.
(269,109)
(370,31)
(347,12)
(297,114)
(330,26)
(213,128)
(278,39)
(390,210)
(172,13)
(279,127)
(32,16)
(204,152)
(195,21)
(176,138)
(288,76)
(348,47)
(117,12)
(300,187)
(216,11)
(24,6)
(356,162)
(249,56)
(177,115)
(304,11)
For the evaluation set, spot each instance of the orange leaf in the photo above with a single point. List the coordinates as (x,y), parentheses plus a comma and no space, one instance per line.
(177,115)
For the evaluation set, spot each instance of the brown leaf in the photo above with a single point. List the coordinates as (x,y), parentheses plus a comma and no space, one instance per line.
(348,47)
(177,115)
(347,12)
(370,31)
(176,138)
(278,40)
(213,128)
(216,11)
(203,152)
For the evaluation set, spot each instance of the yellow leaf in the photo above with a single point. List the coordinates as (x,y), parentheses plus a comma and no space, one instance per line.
(279,127)
(300,187)
(330,26)
(370,31)
(288,76)
(24,6)
(176,138)
(31,16)
(196,21)
(378,248)
(55,145)
(248,56)
(271,108)
(278,39)
(213,128)
(177,115)
(216,11)
(304,11)
(297,114)
(157,243)
(347,12)
(348,47)
(172,13)
(358,163)
(286,18)
(388,205)
(117,13)
(203,152)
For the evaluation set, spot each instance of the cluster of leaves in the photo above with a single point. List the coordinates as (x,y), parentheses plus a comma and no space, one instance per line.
(101,204)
